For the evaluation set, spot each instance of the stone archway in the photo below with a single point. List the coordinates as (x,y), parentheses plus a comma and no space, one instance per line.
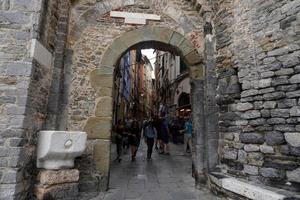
(101,80)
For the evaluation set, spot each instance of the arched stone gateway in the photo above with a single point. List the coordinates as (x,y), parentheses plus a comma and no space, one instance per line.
(56,70)
(96,42)
(102,79)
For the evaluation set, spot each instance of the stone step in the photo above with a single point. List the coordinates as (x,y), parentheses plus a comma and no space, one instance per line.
(248,189)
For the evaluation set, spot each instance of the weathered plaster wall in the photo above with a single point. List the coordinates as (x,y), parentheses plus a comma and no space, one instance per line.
(258,93)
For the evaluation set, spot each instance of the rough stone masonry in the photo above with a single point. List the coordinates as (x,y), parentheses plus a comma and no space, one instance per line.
(248,99)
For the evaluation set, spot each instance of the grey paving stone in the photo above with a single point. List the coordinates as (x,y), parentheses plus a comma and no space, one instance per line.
(164,177)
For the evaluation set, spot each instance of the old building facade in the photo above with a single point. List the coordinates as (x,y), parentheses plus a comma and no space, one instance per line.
(57,60)
(172,85)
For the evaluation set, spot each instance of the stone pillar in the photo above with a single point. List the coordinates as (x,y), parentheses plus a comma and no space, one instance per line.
(98,128)
(197,92)
(57,184)
(211,109)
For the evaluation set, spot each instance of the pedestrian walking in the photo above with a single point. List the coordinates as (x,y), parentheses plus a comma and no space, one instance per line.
(134,139)
(174,129)
(119,139)
(188,135)
(149,133)
(165,135)
(158,139)
(126,133)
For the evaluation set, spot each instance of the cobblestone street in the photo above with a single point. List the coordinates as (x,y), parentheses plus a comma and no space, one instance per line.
(163,178)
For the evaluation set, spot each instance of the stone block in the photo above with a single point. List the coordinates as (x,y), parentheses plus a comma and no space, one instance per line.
(266,90)
(57,192)
(274,138)
(251,114)
(186,47)
(104,107)
(136,36)
(284,128)
(11,176)
(269,104)
(293,94)
(40,53)
(110,58)
(98,127)
(242,156)
(249,191)
(104,91)
(248,93)
(193,58)
(264,83)
(176,39)
(251,147)
(293,139)
(4,4)
(256,159)
(282,163)
(276,121)
(294,175)
(284,72)
(274,96)
(257,122)
(22,69)
(100,79)
(48,178)
(243,106)
(271,173)
(197,72)
(101,154)
(266,149)
(283,113)
(118,46)
(252,138)
(16,18)
(295,111)
(8,191)
(162,34)
(287,103)
(135,18)
(251,170)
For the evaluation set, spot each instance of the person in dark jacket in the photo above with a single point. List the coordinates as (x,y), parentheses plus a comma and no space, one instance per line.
(134,138)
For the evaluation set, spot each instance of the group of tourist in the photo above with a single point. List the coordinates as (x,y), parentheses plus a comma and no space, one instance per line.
(155,132)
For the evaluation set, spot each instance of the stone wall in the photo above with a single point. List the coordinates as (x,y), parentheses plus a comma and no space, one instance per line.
(256,52)
(91,34)
(24,88)
(258,71)
(23,92)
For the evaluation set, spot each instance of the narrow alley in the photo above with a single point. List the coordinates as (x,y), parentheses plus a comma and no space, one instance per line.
(165,177)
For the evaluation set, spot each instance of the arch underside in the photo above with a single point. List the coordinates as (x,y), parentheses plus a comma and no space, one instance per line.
(148,37)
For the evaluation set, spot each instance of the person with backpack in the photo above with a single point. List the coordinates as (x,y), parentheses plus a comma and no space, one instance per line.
(149,133)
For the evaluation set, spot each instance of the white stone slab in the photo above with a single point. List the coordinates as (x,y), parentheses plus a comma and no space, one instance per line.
(249,191)
(57,149)
(135,18)
(135,21)
(40,53)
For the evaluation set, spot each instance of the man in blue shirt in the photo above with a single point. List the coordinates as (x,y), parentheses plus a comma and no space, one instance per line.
(149,133)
